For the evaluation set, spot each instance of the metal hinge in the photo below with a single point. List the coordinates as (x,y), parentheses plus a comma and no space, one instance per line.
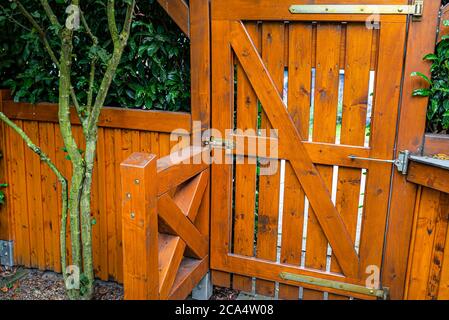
(416,9)
(401,162)
(220,143)
(6,253)
(383,293)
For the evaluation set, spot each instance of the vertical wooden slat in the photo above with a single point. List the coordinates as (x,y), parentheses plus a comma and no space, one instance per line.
(119,136)
(111,143)
(164,144)
(34,199)
(441,231)
(18,197)
(383,132)
(324,130)
(355,104)
(50,209)
(299,99)
(140,227)
(102,221)
(421,253)
(410,133)
(145,142)
(245,173)
(200,61)
(221,195)
(6,218)
(443,289)
(96,218)
(155,144)
(273,56)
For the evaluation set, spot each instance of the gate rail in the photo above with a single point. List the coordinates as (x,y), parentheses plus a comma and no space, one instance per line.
(165,224)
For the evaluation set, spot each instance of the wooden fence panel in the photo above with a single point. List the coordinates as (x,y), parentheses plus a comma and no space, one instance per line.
(35,202)
(429,255)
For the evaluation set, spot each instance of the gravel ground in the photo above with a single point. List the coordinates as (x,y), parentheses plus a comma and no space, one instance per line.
(39,285)
(224,294)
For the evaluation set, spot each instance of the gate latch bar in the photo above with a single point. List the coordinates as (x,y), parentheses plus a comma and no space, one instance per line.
(416,9)
(401,162)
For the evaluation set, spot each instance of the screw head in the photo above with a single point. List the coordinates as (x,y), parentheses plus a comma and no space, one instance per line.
(128,195)
(137,181)
(133,215)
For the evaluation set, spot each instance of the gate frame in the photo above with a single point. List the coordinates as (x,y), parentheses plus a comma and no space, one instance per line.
(409,136)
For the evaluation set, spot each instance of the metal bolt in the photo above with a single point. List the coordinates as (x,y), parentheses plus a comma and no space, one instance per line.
(371,291)
(128,195)
(400,9)
(137,181)
(133,215)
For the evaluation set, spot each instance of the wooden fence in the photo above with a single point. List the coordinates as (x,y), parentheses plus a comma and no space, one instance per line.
(428,267)
(30,216)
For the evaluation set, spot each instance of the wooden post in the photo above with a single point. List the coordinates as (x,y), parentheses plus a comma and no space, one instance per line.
(140,227)
(421,40)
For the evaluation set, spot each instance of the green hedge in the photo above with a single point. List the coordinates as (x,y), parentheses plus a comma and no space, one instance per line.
(154,72)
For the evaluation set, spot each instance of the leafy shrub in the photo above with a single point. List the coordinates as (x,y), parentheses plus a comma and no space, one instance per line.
(2,194)
(438,91)
(153,74)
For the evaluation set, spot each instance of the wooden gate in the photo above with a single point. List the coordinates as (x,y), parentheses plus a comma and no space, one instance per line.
(330,84)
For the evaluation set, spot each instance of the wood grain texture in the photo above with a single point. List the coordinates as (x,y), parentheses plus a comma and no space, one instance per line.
(436,144)
(140,227)
(410,136)
(429,176)
(158,121)
(269,185)
(324,130)
(245,172)
(427,268)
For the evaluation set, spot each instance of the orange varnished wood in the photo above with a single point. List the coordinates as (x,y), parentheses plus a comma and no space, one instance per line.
(140,227)
(299,100)
(410,136)
(245,172)
(273,34)
(178,10)
(159,121)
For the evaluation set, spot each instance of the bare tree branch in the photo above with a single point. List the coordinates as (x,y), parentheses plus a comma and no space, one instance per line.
(51,53)
(111,21)
(50,14)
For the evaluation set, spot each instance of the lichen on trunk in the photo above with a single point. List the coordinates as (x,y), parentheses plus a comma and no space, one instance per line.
(77,201)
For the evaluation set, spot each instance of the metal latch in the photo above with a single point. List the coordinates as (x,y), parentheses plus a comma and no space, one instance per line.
(220,143)
(383,293)
(401,162)
(416,9)
(6,253)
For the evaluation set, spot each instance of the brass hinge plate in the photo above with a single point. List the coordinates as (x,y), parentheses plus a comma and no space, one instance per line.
(330,284)
(416,9)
